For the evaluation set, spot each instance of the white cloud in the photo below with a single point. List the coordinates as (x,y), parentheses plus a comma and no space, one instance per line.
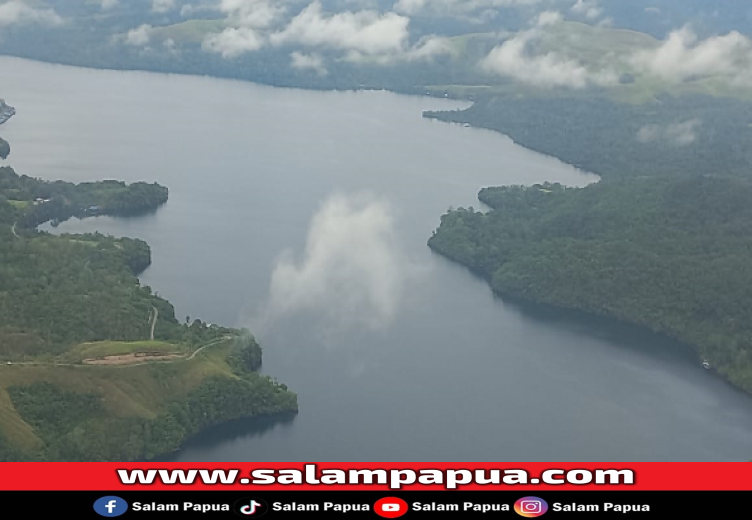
(18,12)
(428,47)
(162,6)
(587,8)
(367,32)
(313,62)
(352,273)
(684,56)
(234,41)
(108,4)
(454,7)
(678,134)
(170,45)
(248,22)
(548,18)
(256,14)
(410,7)
(365,35)
(211,7)
(139,36)
(517,59)
(425,49)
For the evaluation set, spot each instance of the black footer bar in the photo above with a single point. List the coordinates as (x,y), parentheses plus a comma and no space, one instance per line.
(369,504)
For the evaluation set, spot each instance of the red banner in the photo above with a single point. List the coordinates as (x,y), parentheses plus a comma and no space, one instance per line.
(377,476)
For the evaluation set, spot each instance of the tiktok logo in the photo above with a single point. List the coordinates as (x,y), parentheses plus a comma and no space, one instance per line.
(254,507)
(250,509)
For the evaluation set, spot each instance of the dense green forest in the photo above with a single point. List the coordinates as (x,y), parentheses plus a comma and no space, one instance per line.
(79,426)
(672,135)
(93,365)
(667,253)
(40,201)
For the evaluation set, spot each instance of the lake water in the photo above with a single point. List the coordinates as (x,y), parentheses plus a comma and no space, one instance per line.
(304,216)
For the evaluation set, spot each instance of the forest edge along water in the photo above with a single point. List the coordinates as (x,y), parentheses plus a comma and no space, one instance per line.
(303,216)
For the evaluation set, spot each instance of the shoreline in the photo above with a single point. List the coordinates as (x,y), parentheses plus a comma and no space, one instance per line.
(208,430)
(592,321)
(231,78)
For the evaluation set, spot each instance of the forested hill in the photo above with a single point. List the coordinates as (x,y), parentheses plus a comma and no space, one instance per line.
(672,135)
(93,365)
(39,201)
(667,253)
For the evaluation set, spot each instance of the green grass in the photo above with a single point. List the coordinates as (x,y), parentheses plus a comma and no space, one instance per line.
(142,390)
(190,31)
(19,204)
(460,43)
(591,43)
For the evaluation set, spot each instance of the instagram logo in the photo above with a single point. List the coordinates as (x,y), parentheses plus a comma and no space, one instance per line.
(530,507)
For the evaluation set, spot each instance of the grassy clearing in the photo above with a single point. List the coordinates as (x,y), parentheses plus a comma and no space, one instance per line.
(190,31)
(19,204)
(103,349)
(142,391)
(590,43)
(12,427)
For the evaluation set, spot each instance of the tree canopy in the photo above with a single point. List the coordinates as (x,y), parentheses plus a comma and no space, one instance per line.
(667,253)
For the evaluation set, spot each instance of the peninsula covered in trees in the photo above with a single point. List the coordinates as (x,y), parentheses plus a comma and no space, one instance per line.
(669,253)
(6,112)
(93,365)
(41,201)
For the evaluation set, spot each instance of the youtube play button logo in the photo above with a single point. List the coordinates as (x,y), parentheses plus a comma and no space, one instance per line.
(390,507)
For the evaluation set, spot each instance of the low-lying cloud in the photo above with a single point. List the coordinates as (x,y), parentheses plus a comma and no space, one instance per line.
(163,6)
(367,32)
(455,7)
(139,36)
(234,41)
(351,273)
(313,62)
(517,59)
(683,56)
(356,35)
(590,9)
(678,134)
(18,12)
(258,14)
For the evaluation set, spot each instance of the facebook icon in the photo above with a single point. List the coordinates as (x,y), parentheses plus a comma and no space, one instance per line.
(110,506)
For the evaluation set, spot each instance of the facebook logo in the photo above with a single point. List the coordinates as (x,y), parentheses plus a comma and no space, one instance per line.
(110,506)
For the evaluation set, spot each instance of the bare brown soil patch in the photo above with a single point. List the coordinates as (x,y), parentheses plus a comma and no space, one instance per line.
(130,359)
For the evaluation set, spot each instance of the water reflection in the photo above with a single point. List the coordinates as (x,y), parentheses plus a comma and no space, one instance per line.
(233,431)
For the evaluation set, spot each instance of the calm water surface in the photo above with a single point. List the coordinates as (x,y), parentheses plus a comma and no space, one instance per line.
(305,215)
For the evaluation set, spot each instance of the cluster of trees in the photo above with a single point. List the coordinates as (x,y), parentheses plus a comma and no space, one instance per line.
(661,242)
(667,253)
(57,292)
(63,200)
(78,427)
(60,291)
(4,148)
(245,355)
